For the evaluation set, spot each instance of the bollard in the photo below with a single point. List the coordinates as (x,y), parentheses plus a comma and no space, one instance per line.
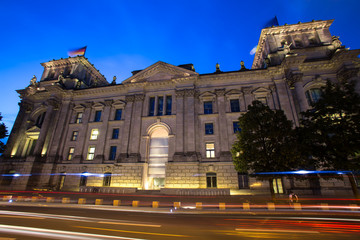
(65,200)
(155,204)
(353,207)
(324,206)
(34,199)
(246,206)
(82,201)
(271,206)
(98,202)
(116,203)
(7,198)
(135,203)
(199,205)
(50,199)
(20,198)
(177,204)
(221,206)
(297,206)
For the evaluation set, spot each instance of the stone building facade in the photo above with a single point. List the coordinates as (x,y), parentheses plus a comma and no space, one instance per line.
(166,127)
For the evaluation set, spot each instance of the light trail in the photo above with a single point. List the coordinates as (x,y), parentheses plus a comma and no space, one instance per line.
(125,231)
(74,218)
(57,234)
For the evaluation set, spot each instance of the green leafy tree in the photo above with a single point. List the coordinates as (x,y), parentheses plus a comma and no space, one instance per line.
(330,131)
(3,134)
(266,142)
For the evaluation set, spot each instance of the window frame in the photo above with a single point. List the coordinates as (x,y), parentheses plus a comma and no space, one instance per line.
(70,154)
(94,134)
(208,107)
(90,155)
(79,117)
(74,135)
(97,116)
(117,117)
(209,128)
(112,153)
(115,133)
(209,152)
(234,107)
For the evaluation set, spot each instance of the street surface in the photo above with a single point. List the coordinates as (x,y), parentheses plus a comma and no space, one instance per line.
(54,221)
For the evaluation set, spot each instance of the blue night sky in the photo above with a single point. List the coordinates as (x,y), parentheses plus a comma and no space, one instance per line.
(123,36)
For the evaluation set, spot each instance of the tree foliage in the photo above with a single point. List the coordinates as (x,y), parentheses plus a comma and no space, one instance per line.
(266,142)
(3,134)
(330,131)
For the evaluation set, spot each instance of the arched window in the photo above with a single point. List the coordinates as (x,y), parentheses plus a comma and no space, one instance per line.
(158,157)
(313,95)
(107,179)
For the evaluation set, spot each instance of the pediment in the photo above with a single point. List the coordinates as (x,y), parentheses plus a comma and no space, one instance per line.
(119,104)
(261,91)
(207,96)
(160,71)
(33,129)
(233,92)
(79,107)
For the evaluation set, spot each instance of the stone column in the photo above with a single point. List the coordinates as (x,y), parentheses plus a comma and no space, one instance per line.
(223,127)
(248,97)
(295,83)
(47,124)
(286,100)
(179,135)
(135,134)
(18,130)
(103,130)
(124,147)
(189,122)
(84,128)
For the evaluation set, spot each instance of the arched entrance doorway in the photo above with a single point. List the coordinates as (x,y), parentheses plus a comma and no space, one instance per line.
(158,146)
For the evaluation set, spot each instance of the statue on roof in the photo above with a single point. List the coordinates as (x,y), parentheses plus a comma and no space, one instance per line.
(286,47)
(217,67)
(113,81)
(33,81)
(242,64)
(336,42)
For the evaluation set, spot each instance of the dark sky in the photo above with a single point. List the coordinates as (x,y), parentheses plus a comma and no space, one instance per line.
(123,36)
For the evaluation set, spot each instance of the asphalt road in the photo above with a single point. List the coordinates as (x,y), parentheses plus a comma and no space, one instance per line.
(94,222)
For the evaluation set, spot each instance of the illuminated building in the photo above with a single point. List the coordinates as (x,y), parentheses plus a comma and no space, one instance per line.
(166,126)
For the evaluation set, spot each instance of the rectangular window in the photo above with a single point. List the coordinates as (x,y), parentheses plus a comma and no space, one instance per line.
(160,106)
(115,133)
(208,108)
(209,128)
(91,153)
(211,181)
(97,116)
(94,134)
(118,113)
(71,153)
(74,135)
(112,154)
(168,105)
(210,150)
(151,106)
(236,127)
(235,105)
(79,117)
